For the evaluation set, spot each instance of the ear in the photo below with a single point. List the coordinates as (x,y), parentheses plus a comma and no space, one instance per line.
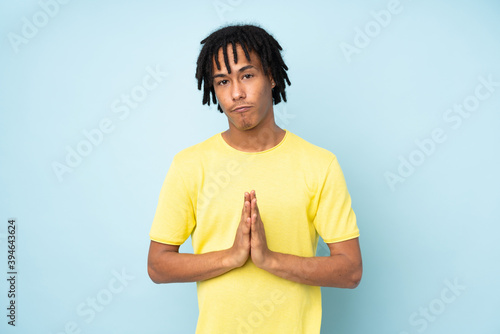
(269,75)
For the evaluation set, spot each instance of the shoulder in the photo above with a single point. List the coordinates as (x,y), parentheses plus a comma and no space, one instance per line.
(195,152)
(310,151)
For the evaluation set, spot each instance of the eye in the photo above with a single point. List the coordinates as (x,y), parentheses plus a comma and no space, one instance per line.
(222,82)
(248,76)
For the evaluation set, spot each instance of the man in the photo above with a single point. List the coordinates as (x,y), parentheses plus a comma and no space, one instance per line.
(254,261)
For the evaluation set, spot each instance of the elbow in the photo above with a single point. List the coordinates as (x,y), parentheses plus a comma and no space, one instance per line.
(156,277)
(159,263)
(355,278)
(355,282)
(153,275)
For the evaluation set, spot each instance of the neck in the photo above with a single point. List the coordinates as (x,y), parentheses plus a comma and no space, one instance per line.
(254,140)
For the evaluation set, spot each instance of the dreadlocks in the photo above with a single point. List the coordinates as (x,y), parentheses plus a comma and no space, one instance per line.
(250,38)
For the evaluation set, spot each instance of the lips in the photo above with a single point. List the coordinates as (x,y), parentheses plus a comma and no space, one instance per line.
(241,109)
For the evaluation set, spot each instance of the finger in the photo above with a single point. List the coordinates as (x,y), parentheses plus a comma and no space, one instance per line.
(244,201)
(248,199)
(255,208)
(254,223)
(244,210)
(248,211)
(247,226)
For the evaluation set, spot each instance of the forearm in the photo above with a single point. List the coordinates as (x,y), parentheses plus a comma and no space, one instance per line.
(331,271)
(170,267)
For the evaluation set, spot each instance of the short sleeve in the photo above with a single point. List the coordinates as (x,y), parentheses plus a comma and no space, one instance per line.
(174,219)
(335,220)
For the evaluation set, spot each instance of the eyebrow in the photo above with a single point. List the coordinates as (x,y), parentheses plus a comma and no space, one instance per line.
(244,68)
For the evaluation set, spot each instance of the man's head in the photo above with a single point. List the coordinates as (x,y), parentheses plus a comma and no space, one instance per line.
(240,40)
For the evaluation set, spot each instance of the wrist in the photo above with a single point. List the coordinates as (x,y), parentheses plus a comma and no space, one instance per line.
(229,259)
(269,262)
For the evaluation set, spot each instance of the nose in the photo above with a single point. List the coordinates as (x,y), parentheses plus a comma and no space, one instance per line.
(238,91)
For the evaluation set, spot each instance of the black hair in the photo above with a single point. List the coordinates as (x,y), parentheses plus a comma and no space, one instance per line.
(250,38)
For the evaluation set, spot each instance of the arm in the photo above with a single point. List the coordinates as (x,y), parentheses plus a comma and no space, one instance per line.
(167,265)
(342,269)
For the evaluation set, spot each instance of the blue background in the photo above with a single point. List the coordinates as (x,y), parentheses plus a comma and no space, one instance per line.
(438,225)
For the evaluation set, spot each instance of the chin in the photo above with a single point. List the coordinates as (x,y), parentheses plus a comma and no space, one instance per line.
(244,127)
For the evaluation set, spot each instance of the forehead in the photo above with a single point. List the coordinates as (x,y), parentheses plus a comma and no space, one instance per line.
(241,59)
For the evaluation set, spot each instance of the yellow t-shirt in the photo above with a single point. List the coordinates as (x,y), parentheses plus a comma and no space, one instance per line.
(301,194)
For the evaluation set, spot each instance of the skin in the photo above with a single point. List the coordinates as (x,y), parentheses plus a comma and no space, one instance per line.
(253,130)
(247,85)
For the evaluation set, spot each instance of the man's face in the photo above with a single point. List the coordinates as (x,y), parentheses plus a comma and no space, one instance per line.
(245,95)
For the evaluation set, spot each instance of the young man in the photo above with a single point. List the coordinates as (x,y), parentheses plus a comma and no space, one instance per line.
(254,260)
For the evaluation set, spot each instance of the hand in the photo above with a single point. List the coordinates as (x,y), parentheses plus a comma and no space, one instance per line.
(259,252)
(240,251)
